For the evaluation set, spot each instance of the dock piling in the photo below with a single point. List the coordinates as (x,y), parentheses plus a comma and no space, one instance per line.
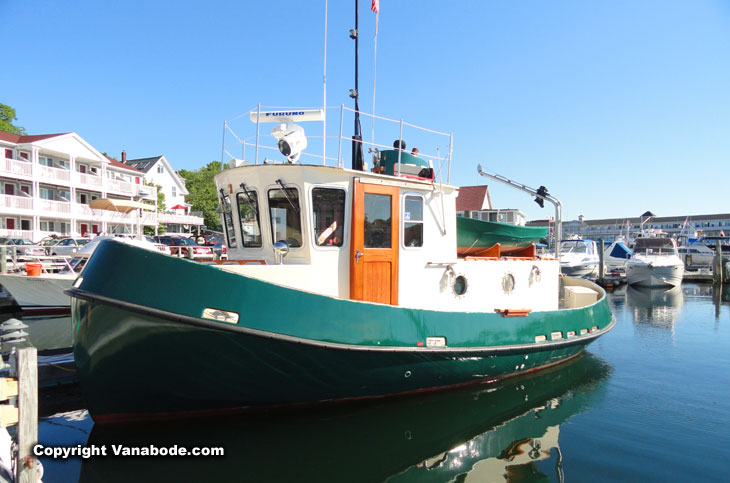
(21,390)
(601,266)
(717,264)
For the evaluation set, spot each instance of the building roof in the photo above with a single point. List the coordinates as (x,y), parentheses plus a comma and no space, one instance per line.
(472,198)
(21,139)
(143,164)
(120,165)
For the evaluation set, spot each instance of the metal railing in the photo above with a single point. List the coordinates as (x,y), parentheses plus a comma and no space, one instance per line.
(430,142)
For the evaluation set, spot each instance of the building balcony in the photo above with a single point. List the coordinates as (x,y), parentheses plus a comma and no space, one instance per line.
(55,208)
(53,175)
(9,203)
(89,181)
(180,219)
(14,167)
(4,232)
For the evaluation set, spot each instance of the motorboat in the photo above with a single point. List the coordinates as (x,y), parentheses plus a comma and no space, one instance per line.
(655,263)
(696,254)
(345,284)
(616,254)
(579,258)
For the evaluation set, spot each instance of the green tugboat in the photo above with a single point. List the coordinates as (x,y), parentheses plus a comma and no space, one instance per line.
(341,284)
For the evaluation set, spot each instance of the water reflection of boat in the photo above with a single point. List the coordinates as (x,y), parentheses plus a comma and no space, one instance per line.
(436,437)
(655,306)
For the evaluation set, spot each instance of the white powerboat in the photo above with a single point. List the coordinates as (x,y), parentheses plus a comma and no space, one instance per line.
(579,258)
(697,254)
(655,263)
(616,254)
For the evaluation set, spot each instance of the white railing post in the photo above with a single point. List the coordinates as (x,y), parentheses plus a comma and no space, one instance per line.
(258,131)
(340,164)
(400,140)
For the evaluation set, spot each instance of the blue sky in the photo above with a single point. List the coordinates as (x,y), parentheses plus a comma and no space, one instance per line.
(616,107)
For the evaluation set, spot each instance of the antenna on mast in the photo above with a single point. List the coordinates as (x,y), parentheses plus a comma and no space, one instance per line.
(357,156)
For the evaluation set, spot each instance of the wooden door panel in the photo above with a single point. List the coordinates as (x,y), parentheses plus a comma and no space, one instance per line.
(378,277)
(374,250)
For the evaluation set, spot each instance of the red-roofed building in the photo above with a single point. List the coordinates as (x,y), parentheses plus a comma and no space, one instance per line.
(48,180)
(475,202)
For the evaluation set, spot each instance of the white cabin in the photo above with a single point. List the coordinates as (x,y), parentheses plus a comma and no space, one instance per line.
(367,236)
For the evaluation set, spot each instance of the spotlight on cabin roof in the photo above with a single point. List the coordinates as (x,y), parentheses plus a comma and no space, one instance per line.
(291,140)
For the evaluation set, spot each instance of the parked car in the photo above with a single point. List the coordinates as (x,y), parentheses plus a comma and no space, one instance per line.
(67,246)
(212,240)
(185,247)
(26,247)
(160,246)
(47,242)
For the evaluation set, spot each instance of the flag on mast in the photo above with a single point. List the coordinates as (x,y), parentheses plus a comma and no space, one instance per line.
(375,6)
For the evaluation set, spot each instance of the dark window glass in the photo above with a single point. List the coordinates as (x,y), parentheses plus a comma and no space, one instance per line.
(284,212)
(328,207)
(413,222)
(228,221)
(377,221)
(248,213)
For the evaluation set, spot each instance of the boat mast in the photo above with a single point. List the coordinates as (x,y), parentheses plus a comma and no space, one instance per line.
(540,194)
(357,157)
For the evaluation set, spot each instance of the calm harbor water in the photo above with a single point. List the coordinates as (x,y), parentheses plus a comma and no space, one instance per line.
(650,401)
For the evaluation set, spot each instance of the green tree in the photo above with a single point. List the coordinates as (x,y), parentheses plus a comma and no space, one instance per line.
(202,192)
(148,230)
(7,116)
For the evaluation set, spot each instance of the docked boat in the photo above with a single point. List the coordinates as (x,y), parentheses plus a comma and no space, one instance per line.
(479,238)
(616,254)
(655,263)
(579,258)
(341,284)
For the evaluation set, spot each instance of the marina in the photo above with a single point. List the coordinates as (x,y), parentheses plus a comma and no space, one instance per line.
(328,292)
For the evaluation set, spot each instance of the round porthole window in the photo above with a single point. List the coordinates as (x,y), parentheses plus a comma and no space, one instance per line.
(459,286)
(508,283)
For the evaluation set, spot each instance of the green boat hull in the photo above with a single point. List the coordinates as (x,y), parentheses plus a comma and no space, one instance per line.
(142,348)
(473,234)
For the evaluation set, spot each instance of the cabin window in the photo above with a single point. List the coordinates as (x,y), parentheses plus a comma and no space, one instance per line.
(284,210)
(248,213)
(413,221)
(328,209)
(228,222)
(378,221)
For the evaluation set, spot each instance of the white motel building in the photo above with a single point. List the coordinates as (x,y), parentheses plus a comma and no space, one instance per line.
(48,180)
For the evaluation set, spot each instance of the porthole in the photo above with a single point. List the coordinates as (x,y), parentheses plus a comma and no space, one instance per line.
(508,283)
(460,285)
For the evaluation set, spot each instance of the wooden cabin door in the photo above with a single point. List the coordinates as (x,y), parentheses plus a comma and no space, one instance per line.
(374,248)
